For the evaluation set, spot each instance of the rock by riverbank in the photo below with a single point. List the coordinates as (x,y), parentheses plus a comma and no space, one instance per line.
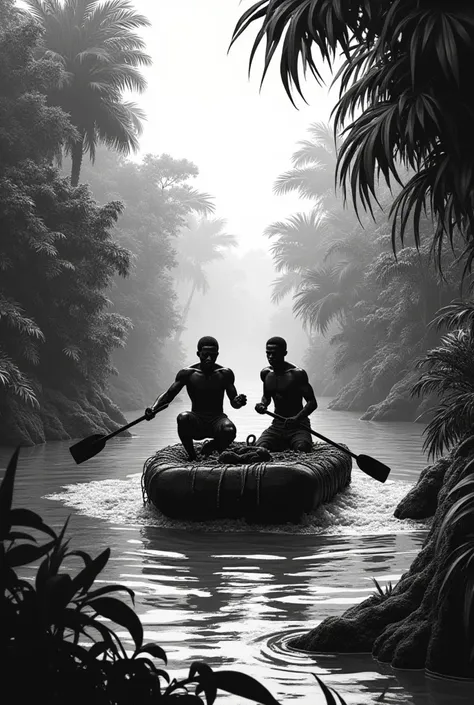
(421,501)
(413,627)
(59,417)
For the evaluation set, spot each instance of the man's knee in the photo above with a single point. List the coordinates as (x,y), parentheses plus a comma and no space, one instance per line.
(227,430)
(184,419)
(302,446)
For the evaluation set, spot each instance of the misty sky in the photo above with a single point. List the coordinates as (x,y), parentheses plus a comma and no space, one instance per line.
(201,105)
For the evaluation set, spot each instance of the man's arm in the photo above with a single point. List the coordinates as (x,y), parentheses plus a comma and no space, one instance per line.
(172,392)
(263,405)
(236,400)
(308,395)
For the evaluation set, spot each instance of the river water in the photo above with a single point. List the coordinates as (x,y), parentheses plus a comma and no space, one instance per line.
(233,595)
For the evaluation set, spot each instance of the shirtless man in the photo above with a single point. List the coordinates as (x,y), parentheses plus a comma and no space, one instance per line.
(205,384)
(287,385)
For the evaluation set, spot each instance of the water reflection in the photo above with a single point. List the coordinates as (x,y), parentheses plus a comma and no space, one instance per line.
(359,678)
(237,606)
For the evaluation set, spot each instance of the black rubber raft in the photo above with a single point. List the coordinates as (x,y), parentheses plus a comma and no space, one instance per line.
(275,491)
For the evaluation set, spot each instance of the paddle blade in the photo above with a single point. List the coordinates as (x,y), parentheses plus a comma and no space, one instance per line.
(373,468)
(87,448)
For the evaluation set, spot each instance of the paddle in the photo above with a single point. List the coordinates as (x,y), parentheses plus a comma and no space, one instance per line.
(92,445)
(372,467)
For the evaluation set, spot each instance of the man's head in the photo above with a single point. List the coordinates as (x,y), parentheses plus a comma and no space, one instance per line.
(207,351)
(276,351)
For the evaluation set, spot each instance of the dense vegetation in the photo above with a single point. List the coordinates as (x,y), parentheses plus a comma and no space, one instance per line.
(58,259)
(347,285)
(87,297)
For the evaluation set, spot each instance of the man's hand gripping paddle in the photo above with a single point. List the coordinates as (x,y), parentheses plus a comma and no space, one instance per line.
(92,445)
(372,467)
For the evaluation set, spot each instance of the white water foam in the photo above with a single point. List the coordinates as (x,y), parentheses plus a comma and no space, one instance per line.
(366,507)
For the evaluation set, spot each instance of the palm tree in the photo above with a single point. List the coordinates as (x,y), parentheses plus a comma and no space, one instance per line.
(301,241)
(314,166)
(100,53)
(298,243)
(200,243)
(329,292)
(406,73)
(448,372)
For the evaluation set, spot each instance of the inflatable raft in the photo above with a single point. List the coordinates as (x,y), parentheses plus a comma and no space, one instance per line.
(277,490)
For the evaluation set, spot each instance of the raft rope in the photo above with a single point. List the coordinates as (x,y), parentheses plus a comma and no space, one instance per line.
(244,480)
(219,485)
(258,478)
(259,472)
(145,497)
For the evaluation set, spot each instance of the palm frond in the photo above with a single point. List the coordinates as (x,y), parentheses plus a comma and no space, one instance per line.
(309,182)
(13,315)
(12,379)
(196,201)
(458,314)
(284,285)
(306,22)
(118,126)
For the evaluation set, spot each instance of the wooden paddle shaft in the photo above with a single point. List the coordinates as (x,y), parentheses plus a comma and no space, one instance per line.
(132,423)
(323,438)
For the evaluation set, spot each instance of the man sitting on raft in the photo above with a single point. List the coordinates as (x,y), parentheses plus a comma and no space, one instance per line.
(205,384)
(287,385)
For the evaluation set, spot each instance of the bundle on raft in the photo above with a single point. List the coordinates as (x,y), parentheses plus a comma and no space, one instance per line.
(278,490)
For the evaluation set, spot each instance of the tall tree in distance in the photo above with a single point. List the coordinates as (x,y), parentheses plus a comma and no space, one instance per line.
(201,242)
(101,54)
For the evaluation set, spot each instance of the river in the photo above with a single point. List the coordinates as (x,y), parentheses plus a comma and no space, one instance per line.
(233,595)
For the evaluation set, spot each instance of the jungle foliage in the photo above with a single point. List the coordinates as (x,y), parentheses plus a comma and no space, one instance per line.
(57,255)
(447,373)
(346,283)
(405,100)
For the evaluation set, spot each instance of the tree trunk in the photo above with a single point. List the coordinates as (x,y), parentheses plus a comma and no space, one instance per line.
(185,313)
(76,158)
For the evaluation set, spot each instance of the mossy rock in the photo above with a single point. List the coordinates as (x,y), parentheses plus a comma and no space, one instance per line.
(413,627)
(59,417)
(53,427)
(127,393)
(398,405)
(111,408)
(355,396)
(421,501)
(20,425)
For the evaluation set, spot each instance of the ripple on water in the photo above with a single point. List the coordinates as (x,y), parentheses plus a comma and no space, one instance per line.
(365,507)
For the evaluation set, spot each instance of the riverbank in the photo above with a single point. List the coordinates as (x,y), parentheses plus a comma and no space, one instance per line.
(58,418)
